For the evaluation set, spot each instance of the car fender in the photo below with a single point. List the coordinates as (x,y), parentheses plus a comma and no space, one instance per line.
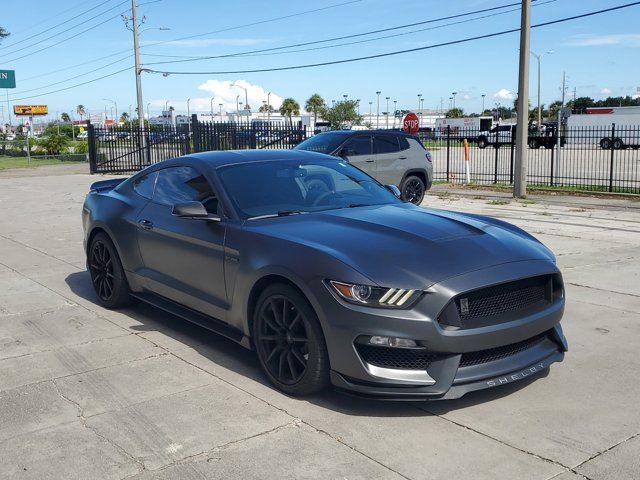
(413,171)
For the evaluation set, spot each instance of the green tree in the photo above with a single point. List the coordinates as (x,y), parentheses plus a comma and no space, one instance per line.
(64,116)
(53,144)
(81,110)
(454,113)
(266,108)
(554,107)
(3,33)
(580,104)
(124,118)
(288,108)
(315,103)
(342,113)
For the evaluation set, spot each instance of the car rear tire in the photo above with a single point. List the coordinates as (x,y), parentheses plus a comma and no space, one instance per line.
(605,143)
(533,144)
(618,144)
(413,190)
(482,142)
(107,274)
(289,341)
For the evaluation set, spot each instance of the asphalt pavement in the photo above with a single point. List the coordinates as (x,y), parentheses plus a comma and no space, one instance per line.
(87,393)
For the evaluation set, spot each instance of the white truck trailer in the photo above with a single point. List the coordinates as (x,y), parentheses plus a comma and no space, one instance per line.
(469,127)
(609,127)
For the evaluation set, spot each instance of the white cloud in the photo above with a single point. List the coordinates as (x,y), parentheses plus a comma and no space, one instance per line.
(605,91)
(504,94)
(466,96)
(590,40)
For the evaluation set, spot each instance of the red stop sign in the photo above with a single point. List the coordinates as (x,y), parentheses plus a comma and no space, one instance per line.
(411,124)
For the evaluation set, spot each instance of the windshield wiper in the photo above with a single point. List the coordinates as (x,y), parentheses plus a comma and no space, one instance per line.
(281,213)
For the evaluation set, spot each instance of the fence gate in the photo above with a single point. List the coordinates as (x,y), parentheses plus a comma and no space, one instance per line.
(125,149)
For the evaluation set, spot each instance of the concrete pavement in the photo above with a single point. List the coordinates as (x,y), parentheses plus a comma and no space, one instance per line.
(91,393)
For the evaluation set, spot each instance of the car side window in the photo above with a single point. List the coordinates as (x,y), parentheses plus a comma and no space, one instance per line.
(360,145)
(404,143)
(385,144)
(145,185)
(185,184)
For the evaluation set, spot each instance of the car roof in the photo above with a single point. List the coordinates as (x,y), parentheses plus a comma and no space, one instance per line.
(217,159)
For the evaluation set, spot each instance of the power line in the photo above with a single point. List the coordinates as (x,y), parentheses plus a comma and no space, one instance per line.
(384,37)
(344,37)
(74,77)
(56,26)
(398,52)
(65,39)
(74,86)
(260,22)
(70,67)
(59,14)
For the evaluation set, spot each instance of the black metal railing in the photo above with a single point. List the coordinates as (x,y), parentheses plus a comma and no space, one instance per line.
(582,158)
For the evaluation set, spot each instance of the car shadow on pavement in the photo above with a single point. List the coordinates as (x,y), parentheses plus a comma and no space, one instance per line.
(233,363)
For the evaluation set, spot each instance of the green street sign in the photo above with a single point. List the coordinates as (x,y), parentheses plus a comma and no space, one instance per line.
(7,79)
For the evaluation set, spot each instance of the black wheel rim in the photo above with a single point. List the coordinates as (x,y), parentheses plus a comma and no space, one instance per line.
(413,191)
(101,269)
(282,339)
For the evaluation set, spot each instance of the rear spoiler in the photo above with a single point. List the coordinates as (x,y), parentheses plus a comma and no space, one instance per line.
(106,184)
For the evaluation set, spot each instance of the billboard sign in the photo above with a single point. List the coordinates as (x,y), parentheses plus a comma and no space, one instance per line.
(7,79)
(30,110)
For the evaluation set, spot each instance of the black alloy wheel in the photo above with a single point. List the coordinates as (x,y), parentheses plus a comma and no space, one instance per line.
(289,341)
(107,274)
(101,268)
(413,190)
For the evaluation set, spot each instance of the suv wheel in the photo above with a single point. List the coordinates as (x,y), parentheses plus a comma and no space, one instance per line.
(605,143)
(289,341)
(413,190)
(107,274)
(482,142)
(618,144)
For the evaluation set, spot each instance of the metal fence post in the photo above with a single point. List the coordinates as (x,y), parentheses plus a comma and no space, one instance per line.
(91,139)
(613,136)
(448,149)
(195,132)
(511,157)
(552,158)
(497,147)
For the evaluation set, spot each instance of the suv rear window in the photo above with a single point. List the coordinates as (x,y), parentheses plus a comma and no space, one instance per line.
(404,143)
(385,144)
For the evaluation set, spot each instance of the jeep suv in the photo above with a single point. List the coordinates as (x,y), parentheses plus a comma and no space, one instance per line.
(498,135)
(392,158)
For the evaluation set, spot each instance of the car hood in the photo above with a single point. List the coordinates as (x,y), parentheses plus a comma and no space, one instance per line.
(405,246)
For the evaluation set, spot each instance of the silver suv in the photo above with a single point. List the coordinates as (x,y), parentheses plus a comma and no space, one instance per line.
(392,158)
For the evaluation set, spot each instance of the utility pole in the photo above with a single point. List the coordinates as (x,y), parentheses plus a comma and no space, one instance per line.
(387,123)
(136,56)
(520,177)
(378,110)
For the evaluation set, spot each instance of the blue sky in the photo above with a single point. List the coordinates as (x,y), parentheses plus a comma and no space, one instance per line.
(599,54)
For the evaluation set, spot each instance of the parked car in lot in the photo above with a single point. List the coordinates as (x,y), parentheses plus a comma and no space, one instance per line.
(496,136)
(327,275)
(390,157)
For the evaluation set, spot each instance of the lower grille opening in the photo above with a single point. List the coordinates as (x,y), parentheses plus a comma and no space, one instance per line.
(398,358)
(484,356)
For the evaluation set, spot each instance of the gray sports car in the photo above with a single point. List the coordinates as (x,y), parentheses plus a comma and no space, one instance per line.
(327,275)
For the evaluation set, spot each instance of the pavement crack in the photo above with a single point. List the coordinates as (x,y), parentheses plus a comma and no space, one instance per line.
(596,455)
(602,289)
(83,420)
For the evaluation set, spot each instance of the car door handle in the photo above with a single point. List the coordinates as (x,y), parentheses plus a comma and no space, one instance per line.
(146,224)
(402,158)
(369,161)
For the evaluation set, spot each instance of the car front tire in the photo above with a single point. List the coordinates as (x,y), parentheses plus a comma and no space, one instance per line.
(289,341)
(107,275)
(413,190)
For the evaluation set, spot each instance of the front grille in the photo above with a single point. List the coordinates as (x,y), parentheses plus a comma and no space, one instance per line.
(399,358)
(492,354)
(500,299)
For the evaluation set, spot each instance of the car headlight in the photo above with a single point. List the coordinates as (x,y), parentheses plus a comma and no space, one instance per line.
(372,296)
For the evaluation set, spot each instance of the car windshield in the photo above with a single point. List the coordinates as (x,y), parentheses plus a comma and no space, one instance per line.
(287,187)
(323,142)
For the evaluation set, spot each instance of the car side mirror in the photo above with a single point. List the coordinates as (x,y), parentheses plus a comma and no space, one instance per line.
(194,210)
(345,152)
(393,189)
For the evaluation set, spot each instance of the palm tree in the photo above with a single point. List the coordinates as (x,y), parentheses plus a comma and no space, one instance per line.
(124,118)
(81,110)
(315,103)
(289,107)
(65,117)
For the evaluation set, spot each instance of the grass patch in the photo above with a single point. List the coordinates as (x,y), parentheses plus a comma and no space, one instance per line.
(526,201)
(7,162)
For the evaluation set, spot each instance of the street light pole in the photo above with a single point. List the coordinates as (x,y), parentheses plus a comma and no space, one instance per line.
(482,112)
(520,177)
(220,105)
(395,109)
(454,98)
(268,107)
(370,114)
(378,110)
(211,105)
(539,59)
(141,124)
(188,116)
(419,97)
(387,119)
